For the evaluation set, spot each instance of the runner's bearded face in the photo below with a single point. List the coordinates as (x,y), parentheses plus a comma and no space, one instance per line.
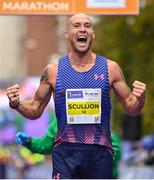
(80,34)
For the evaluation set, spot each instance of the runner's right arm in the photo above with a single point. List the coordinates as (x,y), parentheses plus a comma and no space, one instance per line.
(32,109)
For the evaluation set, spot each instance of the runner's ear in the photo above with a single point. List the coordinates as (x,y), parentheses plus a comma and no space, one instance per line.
(66,34)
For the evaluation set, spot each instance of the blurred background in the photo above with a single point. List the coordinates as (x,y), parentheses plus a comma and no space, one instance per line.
(29,43)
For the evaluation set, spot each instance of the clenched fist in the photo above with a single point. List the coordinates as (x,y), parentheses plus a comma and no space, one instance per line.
(139,90)
(13,95)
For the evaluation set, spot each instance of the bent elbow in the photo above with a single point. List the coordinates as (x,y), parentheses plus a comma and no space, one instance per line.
(34,116)
(132,113)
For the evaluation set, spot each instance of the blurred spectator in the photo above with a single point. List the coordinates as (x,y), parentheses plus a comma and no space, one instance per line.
(116,144)
(147,143)
(5,157)
(138,153)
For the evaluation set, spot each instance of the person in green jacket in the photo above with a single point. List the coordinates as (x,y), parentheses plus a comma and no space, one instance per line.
(39,145)
(116,145)
(44,144)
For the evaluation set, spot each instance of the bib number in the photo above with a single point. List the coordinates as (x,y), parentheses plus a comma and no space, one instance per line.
(83,106)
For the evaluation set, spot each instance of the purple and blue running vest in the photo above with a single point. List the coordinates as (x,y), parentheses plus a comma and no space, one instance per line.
(68,78)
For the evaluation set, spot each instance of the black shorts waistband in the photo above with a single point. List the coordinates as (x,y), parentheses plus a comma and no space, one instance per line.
(82,146)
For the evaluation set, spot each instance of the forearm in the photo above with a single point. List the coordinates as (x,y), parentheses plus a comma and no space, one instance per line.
(134,105)
(29,109)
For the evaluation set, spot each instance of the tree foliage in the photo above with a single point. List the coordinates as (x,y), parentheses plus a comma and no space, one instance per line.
(129,40)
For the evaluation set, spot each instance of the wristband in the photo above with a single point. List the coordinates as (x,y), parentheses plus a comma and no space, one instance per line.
(14,107)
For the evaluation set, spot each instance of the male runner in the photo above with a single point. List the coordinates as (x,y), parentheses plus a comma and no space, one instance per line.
(81,82)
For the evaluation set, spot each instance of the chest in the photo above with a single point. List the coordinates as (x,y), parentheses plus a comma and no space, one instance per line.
(95,77)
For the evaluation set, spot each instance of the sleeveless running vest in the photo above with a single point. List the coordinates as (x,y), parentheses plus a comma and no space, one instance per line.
(68,78)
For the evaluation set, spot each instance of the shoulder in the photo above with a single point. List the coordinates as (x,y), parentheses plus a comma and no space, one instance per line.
(51,68)
(49,72)
(52,65)
(112,64)
(114,70)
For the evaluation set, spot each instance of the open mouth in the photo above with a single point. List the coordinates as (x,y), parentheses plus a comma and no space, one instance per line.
(82,40)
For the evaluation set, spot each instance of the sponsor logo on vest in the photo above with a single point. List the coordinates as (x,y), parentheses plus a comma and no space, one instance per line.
(75,94)
(96,76)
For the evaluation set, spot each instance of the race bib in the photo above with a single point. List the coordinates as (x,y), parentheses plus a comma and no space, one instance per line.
(83,106)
